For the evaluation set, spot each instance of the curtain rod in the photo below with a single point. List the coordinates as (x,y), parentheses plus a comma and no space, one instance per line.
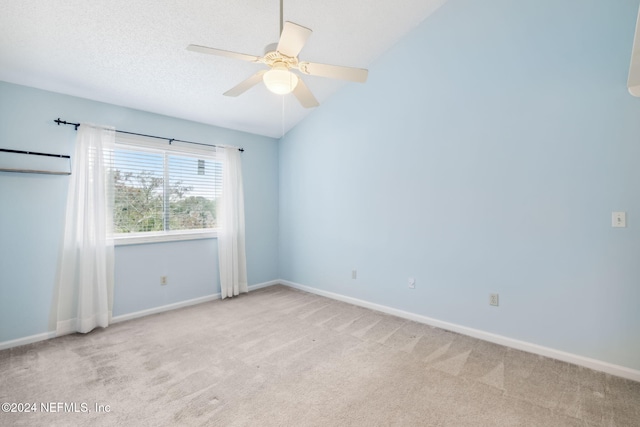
(62,122)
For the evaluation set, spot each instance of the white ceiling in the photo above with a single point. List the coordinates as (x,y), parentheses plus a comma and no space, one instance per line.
(132,52)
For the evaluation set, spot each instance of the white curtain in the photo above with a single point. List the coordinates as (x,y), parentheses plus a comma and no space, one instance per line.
(85,278)
(230,216)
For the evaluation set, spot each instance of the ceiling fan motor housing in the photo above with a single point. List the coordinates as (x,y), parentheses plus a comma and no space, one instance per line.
(275,58)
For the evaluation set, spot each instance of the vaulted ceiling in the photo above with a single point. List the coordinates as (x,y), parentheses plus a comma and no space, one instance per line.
(132,52)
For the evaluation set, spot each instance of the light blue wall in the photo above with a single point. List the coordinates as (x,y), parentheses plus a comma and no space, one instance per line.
(188,266)
(485,154)
(32,213)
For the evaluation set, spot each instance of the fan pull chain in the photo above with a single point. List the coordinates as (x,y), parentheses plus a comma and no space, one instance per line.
(281,16)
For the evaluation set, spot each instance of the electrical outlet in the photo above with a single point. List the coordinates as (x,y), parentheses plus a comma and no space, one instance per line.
(412,283)
(493,299)
(163,280)
(619,219)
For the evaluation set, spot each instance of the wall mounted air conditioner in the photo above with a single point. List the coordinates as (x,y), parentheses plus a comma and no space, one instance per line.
(32,162)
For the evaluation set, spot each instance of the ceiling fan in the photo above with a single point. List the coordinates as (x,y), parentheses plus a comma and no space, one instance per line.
(281,58)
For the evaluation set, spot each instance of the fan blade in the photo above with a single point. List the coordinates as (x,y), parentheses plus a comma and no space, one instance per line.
(292,39)
(246,85)
(304,95)
(220,52)
(334,71)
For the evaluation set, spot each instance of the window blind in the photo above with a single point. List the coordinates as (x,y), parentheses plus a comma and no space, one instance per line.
(163,191)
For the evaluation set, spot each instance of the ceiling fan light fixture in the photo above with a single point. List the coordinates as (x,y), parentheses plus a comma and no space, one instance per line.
(280,80)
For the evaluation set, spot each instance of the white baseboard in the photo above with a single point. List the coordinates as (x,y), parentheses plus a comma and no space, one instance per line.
(68,327)
(27,340)
(182,304)
(264,285)
(163,308)
(598,365)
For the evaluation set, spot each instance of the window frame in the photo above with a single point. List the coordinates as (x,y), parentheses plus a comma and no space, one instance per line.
(141,143)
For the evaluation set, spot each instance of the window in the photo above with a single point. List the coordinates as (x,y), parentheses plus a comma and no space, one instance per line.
(164,192)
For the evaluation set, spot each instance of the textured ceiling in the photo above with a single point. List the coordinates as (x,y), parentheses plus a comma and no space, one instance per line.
(132,52)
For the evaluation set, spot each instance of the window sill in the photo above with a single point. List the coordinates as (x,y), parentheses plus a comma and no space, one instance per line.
(142,238)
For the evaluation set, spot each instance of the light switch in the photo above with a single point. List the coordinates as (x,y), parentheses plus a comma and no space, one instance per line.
(618,219)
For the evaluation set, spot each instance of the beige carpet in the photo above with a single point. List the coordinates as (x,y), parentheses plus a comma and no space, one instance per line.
(281,357)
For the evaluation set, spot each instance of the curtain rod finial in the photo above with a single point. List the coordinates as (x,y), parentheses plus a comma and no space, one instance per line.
(64,122)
